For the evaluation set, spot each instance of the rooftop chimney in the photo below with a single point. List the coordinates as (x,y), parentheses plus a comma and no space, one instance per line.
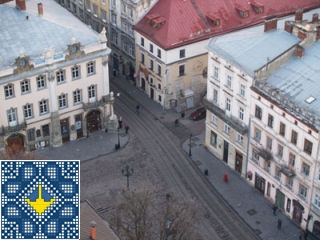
(299,15)
(40,9)
(299,51)
(21,4)
(315,18)
(270,24)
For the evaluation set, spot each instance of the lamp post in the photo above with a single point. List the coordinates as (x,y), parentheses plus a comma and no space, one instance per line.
(127,172)
(190,154)
(118,138)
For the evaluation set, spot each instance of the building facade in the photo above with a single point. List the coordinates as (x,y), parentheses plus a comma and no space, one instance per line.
(52,91)
(277,89)
(186,27)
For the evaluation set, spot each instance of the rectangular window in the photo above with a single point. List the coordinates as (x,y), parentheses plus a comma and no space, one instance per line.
(142,58)
(113,18)
(303,191)
(25,86)
(282,130)
(277,173)
(159,70)
(229,81)
(240,138)
(27,111)
(289,182)
(316,201)
(257,134)
(77,97)
(255,156)
(8,91)
(142,41)
(227,129)
(62,100)
(215,96)
(92,92)
(216,73)
(213,139)
(151,65)
(159,53)
(95,10)
(228,104)
(269,143)
(88,6)
(43,104)
(294,137)
(242,90)
(75,72)
(305,169)
(280,151)
(46,130)
(91,68)
(270,121)
(12,117)
(241,113)
(214,119)
(41,82)
(60,76)
(307,148)
(292,159)
(258,112)
(182,53)
(151,48)
(31,134)
(181,70)
(103,15)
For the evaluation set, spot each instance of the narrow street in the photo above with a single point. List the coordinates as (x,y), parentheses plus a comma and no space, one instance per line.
(159,163)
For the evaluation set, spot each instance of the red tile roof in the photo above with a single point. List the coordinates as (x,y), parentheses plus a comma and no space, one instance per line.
(174,23)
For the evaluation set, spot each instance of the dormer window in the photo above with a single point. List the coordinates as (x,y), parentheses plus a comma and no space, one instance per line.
(213,20)
(257,7)
(243,12)
(155,20)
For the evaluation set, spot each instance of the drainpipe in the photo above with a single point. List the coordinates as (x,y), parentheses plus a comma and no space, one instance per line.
(248,147)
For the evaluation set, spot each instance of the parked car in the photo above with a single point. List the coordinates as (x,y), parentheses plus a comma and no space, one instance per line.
(198,114)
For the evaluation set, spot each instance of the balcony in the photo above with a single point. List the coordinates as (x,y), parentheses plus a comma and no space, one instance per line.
(286,170)
(12,129)
(229,119)
(94,104)
(265,154)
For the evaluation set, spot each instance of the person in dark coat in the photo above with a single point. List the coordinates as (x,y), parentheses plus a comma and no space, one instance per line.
(126,127)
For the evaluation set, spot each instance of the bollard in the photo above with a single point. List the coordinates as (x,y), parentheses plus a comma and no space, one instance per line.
(225,177)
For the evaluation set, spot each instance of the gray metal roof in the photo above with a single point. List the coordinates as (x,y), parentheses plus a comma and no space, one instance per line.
(54,30)
(250,50)
(299,79)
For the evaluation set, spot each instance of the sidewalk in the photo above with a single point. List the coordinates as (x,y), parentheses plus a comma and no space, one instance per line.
(246,200)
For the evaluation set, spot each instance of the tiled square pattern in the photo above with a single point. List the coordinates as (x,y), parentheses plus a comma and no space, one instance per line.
(40,199)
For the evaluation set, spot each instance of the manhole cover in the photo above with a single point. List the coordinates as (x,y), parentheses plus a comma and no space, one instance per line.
(251,212)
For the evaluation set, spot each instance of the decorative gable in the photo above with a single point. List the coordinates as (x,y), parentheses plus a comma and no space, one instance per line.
(23,64)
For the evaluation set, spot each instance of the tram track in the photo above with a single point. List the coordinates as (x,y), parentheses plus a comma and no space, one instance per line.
(220,220)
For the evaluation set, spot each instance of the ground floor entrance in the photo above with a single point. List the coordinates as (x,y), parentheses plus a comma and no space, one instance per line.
(93,121)
(15,144)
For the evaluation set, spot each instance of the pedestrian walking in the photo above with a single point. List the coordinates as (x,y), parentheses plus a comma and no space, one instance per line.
(279,224)
(138,109)
(274,209)
(176,122)
(126,127)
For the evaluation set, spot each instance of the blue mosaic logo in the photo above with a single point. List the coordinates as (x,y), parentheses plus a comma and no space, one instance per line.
(40,199)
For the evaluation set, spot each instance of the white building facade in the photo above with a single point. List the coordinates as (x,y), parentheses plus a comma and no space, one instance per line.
(52,91)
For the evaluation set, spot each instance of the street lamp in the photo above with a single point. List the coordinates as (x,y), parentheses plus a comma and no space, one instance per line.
(190,154)
(127,172)
(118,138)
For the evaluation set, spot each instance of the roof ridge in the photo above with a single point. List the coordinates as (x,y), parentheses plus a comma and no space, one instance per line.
(202,17)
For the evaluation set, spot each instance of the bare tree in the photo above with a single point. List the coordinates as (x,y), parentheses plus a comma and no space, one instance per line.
(15,152)
(146,215)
